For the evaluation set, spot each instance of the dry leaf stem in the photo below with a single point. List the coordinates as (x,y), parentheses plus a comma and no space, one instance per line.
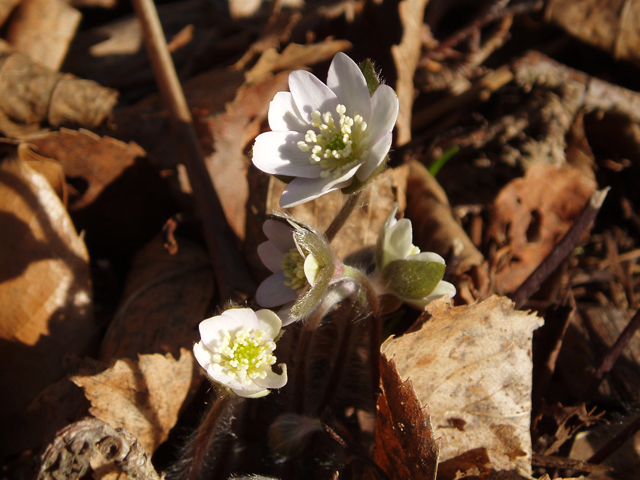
(562,249)
(231,272)
(612,445)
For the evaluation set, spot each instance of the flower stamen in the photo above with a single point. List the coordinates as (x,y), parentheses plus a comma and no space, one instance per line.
(336,148)
(293,269)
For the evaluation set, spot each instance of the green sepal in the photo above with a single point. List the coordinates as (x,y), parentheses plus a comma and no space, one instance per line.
(413,278)
(315,244)
(370,75)
(285,178)
(357,185)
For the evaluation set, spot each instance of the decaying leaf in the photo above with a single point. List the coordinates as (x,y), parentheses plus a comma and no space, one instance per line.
(472,366)
(434,228)
(532,213)
(165,298)
(143,396)
(45,290)
(611,25)
(83,154)
(405,447)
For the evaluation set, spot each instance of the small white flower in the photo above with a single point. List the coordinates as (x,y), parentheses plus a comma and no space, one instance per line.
(413,276)
(236,351)
(324,135)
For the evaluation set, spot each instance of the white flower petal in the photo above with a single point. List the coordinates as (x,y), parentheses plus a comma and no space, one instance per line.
(277,153)
(202,354)
(273,292)
(397,242)
(427,257)
(269,323)
(443,288)
(285,314)
(376,154)
(270,256)
(385,106)
(284,115)
(347,81)
(302,190)
(251,391)
(210,331)
(273,380)
(310,94)
(279,233)
(311,268)
(239,318)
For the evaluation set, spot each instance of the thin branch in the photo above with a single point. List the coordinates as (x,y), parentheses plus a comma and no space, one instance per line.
(561,250)
(617,441)
(230,270)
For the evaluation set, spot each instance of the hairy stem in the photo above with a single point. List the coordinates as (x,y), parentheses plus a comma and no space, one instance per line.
(342,216)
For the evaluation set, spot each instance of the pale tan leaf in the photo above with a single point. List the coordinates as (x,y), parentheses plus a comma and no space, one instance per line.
(472,366)
(144,396)
(45,289)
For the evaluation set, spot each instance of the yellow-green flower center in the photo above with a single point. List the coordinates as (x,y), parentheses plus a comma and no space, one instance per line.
(244,354)
(335,147)
(293,268)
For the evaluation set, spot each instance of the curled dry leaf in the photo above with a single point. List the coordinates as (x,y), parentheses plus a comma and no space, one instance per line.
(43,30)
(45,290)
(434,228)
(472,366)
(532,213)
(405,447)
(165,298)
(83,154)
(143,396)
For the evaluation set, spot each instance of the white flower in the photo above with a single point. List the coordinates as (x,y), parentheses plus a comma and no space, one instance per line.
(324,135)
(236,351)
(303,267)
(413,276)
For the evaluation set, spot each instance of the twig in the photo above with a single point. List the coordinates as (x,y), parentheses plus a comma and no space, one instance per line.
(617,441)
(609,360)
(231,272)
(561,250)
(342,216)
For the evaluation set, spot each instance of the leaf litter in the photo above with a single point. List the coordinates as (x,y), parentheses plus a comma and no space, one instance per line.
(86,185)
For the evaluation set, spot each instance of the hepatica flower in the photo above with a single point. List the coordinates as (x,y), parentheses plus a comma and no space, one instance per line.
(302,265)
(326,135)
(236,351)
(413,276)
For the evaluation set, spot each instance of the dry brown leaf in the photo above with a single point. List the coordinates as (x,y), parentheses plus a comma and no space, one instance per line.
(165,298)
(612,25)
(143,396)
(532,213)
(83,154)
(363,225)
(434,228)
(405,448)
(472,366)
(43,30)
(406,56)
(45,290)
(6,7)
(295,56)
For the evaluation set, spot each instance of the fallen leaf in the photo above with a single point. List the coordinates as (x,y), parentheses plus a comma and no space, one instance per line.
(83,154)
(45,290)
(144,397)
(165,298)
(434,228)
(532,213)
(472,366)
(405,447)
